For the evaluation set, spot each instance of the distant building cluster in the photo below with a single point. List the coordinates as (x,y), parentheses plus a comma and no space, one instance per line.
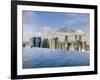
(54,43)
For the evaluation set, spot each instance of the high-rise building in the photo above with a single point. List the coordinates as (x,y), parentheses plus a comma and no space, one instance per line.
(35,41)
(45,43)
(61,40)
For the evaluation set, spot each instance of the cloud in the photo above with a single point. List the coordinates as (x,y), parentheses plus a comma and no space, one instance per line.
(30,27)
(77,20)
(82,19)
(28,17)
(47,30)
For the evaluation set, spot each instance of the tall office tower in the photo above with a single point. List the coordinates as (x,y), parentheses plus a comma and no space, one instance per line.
(38,41)
(80,43)
(85,45)
(66,38)
(80,37)
(32,42)
(88,47)
(50,42)
(56,43)
(75,37)
(72,46)
(63,46)
(66,42)
(45,43)
(53,43)
(76,43)
(68,47)
(59,45)
(35,41)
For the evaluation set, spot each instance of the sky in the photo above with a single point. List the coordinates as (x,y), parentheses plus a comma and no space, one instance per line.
(35,21)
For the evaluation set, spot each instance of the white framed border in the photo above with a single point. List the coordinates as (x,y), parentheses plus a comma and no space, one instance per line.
(21,71)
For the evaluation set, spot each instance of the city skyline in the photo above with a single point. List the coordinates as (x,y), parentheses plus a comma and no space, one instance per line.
(38,21)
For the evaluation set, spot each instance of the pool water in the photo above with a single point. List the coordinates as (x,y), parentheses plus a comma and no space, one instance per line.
(43,58)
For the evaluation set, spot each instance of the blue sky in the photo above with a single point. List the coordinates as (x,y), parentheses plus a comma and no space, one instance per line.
(36,21)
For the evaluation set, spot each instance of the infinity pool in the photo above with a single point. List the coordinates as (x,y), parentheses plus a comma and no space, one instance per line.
(42,57)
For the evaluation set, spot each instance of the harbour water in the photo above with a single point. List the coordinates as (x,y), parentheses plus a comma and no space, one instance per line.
(44,57)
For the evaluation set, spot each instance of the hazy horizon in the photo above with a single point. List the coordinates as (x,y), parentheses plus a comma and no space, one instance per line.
(37,22)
